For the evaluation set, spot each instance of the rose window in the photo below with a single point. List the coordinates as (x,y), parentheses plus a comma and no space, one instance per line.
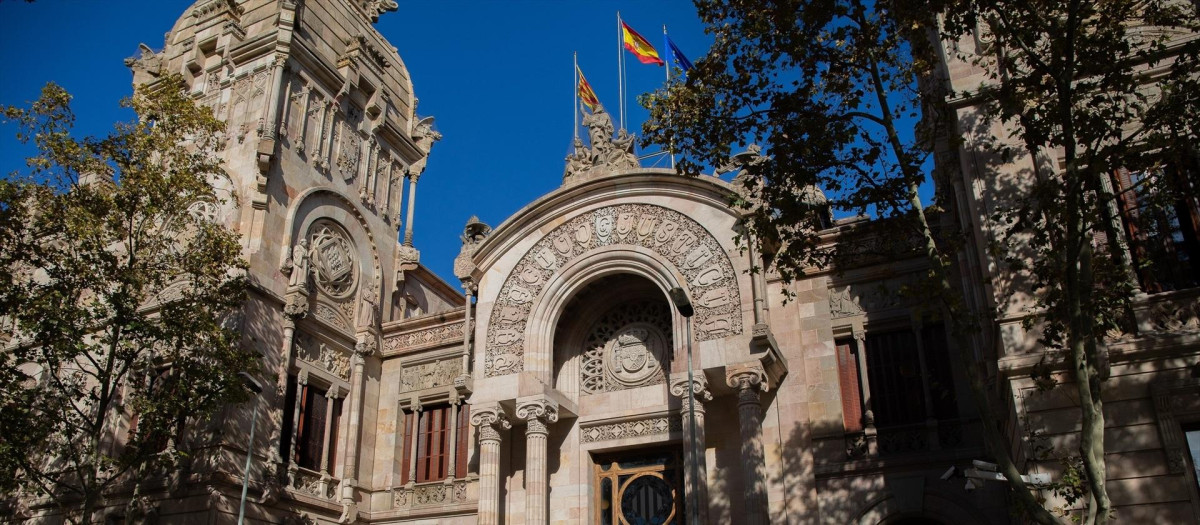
(333,260)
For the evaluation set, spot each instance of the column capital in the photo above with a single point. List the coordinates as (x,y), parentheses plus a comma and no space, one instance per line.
(537,413)
(679,387)
(860,335)
(490,419)
(749,377)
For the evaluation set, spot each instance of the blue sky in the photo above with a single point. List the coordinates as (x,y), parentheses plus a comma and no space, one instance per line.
(496,75)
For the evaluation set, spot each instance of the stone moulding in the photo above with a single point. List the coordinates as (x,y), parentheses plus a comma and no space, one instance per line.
(677,238)
(429,375)
(653,426)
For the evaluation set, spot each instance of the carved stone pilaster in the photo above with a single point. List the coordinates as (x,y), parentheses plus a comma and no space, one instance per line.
(695,464)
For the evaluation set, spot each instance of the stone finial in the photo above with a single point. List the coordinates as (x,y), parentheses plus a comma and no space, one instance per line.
(473,235)
(424,135)
(146,66)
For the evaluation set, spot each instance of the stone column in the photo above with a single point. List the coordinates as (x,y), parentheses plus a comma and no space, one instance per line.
(868,419)
(412,449)
(455,402)
(538,412)
(327,447)
(696,456)
(490,419)
(412,201)
(749,381)
(365,347)
(469,288)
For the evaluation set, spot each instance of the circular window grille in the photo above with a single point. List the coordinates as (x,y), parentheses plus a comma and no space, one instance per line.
(333,259)
(203,210)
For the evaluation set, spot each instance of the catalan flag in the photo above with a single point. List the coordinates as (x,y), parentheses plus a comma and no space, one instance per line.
(585,91)
(640,48)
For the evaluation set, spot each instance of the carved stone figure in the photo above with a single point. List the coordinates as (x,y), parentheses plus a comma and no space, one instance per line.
(300,266)
(367,309)
(577,162)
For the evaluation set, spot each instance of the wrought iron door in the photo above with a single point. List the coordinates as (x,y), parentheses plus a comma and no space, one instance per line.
(646,489)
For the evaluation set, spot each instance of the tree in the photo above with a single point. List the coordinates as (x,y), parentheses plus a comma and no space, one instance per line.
(115,298)
(848,96)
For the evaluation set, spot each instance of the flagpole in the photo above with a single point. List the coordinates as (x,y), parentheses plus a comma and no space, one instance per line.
(670,57)
(575,104)
(620,72)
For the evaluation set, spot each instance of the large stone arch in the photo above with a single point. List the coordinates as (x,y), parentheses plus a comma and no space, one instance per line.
(672,250)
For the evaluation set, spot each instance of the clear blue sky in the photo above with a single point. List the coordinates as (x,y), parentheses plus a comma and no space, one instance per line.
(496,75)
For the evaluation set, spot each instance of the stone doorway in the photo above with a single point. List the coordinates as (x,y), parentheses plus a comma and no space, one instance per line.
(639,488)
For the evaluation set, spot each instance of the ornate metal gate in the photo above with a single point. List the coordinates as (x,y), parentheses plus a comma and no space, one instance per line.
(645,489)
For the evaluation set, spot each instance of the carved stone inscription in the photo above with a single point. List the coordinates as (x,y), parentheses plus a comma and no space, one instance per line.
(693,251)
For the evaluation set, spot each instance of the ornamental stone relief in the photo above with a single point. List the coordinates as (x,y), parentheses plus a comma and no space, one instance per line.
(437,335)
(430,375)
(683,242)
(628,347)
(627,429)
(333,259)
(322,355)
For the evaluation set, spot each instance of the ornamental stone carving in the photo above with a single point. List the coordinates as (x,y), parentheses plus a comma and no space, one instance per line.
(322,355)
(490,420)
(437,335)
(537,413)
(606,154)
(333,259)
(627,429)
(678,239)
(627,348)
(700,391)
(430,375)
(473,235)
(745,378)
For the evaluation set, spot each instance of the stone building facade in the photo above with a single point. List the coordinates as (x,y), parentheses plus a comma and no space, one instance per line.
(551,385)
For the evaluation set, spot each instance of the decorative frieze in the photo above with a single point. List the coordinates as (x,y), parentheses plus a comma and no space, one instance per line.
(430,375)
(322,355)
(654,426)
(678,239)
(431,494)
(437,335)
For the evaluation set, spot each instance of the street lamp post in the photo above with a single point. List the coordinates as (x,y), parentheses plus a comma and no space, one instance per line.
(684,306)
(256,387)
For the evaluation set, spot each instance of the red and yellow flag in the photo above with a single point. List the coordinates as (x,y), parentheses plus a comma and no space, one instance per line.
(585,91)
(640,48)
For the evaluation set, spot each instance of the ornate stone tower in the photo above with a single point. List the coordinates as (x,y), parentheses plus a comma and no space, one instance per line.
(322,132)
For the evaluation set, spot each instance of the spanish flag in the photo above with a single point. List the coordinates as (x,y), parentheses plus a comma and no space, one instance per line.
(585,91)
(639,46)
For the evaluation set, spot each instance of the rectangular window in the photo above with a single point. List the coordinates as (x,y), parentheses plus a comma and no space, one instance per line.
(317,418)
(1161,217)
(433,443)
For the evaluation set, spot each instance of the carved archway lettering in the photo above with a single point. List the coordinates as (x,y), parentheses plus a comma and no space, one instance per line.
(695,253)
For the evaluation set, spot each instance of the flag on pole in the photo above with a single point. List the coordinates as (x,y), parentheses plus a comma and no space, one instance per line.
(677,56)
(640,48)
(585,91)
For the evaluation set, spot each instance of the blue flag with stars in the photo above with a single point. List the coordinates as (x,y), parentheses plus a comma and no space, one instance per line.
(677,56)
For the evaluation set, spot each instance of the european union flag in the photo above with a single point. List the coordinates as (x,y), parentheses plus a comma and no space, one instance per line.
(677,55)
